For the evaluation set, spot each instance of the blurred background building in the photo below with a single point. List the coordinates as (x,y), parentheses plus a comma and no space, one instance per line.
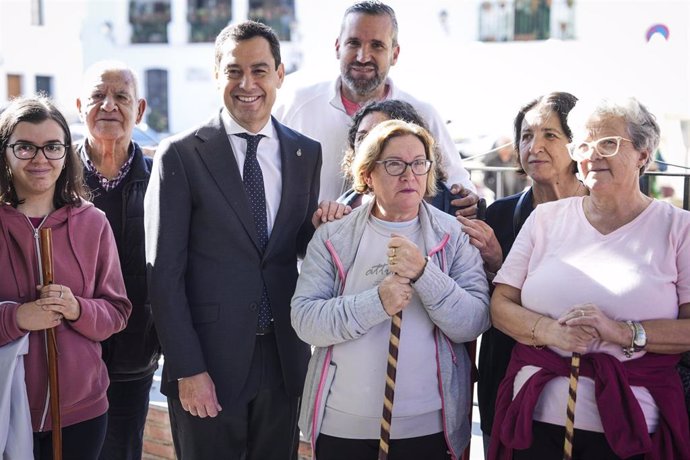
(477,61)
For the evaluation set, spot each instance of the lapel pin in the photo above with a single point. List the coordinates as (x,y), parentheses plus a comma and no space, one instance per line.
(299,152)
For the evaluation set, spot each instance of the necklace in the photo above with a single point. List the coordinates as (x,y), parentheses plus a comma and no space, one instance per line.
(578,188)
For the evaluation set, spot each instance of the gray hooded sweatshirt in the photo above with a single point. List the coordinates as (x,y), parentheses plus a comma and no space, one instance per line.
(452,288)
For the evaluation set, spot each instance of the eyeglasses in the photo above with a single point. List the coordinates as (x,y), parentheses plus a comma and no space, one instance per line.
(606,147)
(398,167)
(28,151)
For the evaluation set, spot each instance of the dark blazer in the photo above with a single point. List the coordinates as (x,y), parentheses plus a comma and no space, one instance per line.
(205,265)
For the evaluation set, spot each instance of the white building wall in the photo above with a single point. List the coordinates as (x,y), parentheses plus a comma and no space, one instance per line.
(51,50)
(477,86)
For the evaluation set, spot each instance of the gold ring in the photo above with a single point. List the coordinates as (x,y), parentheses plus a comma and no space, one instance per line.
(61,292)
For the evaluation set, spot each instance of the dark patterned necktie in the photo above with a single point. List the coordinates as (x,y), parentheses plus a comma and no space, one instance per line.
(254,187)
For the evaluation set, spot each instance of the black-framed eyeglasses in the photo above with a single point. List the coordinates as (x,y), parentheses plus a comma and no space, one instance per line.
(398,167)
(28,151)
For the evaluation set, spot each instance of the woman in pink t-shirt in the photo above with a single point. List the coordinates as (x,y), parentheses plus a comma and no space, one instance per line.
(605,275)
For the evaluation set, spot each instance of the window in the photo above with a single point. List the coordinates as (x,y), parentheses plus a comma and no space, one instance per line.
(562,19)
(207,18)
(157,99)
(149,20)
(495,21)
(278,14)
(37,13)
(532,19)
(14,86)
(44,85)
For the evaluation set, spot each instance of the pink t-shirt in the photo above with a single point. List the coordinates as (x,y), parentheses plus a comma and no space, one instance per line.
(640,271)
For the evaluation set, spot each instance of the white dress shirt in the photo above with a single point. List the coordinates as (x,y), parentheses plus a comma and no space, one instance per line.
(268,154)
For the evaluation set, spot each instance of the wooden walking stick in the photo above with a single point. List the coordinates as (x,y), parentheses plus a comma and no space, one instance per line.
(47,272)
(570,413)
(391,369)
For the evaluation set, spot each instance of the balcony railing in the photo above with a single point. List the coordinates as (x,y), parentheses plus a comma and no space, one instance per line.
(149,20)
(509,20)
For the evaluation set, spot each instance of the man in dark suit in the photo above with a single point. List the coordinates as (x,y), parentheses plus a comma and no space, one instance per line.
(223,233)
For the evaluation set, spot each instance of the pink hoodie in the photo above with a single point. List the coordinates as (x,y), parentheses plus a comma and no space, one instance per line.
(85,259)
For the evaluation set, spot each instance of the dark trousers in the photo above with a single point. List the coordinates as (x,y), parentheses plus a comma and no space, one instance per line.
(262,428)
(129,405)
(81,441)
(432,447)
(547,444)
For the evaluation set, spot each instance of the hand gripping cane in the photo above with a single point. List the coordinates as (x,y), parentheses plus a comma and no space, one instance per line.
(47,272)
(391,369)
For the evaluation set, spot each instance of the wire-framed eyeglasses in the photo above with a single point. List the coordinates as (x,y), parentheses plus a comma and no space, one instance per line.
(606,147)
(398,167)
(28,151)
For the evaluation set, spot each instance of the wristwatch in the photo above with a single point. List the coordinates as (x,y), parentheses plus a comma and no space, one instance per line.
(639,338)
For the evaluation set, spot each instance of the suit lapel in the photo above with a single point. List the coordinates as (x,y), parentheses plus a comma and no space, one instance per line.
(216,153)
(290,156)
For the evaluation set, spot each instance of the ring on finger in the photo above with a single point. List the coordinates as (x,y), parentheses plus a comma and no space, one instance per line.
(61,292)
(582,313)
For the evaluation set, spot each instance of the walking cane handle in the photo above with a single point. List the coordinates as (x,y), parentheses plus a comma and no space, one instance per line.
(47,255)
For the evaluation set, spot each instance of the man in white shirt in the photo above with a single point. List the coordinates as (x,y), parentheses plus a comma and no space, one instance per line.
(366,48)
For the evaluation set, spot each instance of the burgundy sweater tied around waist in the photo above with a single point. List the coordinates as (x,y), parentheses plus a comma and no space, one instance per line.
(624,424)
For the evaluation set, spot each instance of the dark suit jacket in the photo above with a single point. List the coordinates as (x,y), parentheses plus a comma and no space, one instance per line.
(205,266)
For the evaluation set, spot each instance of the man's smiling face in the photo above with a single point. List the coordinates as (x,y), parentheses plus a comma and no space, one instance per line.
(248,80)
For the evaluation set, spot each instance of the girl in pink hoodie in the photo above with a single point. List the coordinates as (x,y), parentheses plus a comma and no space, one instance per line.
(41,186)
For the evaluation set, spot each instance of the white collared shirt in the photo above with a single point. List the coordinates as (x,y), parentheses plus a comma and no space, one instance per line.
(268,154)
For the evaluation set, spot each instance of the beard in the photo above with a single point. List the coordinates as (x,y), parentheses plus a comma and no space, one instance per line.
(363,86)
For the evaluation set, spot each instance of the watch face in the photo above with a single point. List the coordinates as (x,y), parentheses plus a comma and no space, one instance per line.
(640,340)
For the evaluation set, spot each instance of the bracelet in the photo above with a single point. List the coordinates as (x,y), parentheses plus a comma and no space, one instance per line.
(426,262)
(534,340)
(628,351)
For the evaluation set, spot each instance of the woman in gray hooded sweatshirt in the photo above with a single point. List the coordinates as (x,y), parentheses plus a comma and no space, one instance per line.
(394,254)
